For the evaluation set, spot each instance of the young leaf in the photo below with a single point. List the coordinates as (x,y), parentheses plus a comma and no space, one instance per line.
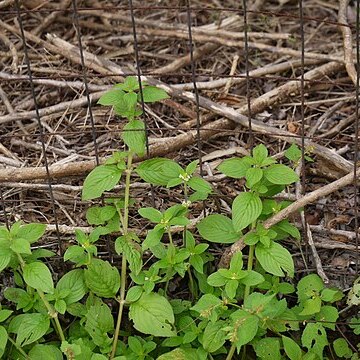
(98,215)
(134,136)
(38,276)
(190,169)
(246,208)
(275,259)
(73,281)
(218,228)
(31,232)
(151,214)
(153,94)
(102,278)
(293,153)
(29,327)
(158,171)
(153,238)
(152,314)
(280,174)
(102,178)
(199,184)
(111,97)
(131,83)
(260,153)
(253,176)
(133,254)
(235,167)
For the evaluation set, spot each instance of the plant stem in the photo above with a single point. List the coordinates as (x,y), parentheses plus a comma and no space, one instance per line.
(231,352)
(249,267)
(19,348)
(53,314)
(125,223)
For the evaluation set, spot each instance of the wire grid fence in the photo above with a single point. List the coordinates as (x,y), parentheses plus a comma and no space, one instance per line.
(190,91)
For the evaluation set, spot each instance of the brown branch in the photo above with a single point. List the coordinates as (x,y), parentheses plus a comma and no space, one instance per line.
(347,41)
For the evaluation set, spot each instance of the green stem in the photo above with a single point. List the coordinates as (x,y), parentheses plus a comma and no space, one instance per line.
(19,348)
(249,267)
(53,314)
(231,352)
(125,223)
(193,291)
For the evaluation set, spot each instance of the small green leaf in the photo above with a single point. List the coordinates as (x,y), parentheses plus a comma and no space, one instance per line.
(102,178)
(133,253)
(314,338)
(134,136)
(214,337)
(20,246)
(131,83)
(18,296)
(260,153)
(111,97)
(98,215)
(292,349)
(153,238)
(268,348)
(31,232)
(218,228)
(179,354)
(152,94)
(216,279)
(308,285)
(134,293)
(342,348)
(5,254)
(199,184)
(4,314)
(3,340)
(253,176)
(151,214)
(152,314)
(275,259)
(235,167)
(246,208)
(245,327)
(207,305)
(280,174)
(38,276)
(190,169)
(293,153)
(45,352)
(102,278)
(74,253)
(158,171)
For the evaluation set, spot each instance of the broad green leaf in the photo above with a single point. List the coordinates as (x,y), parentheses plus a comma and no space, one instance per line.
(38,276)
(152,94)
(29,327)
(207,305)
(342,348)
(73,281)
(31,232)
(311,306)
(98,215)
(199,184)
(102,178)
(252,278)
(74,253)
(287,228)
(231,287)
(151,214)
(245,327)
(4,314)
(253,176)
(328,313)
(268,348)
(308,285)
(153,238)
(331,295)
(20,246)
(246,208)
(275,259)
(314,338)
(293,153)
(5,254)
(18,296)
(235,167)
(180,354)
(99,321)
(218,228)
(3,340)
(214,337)
(45,352)
(134,136)
(216,279)
(152,314)
(102,278)
(280,174)
(134,293)
(190,169)
(260,153)
(111,97)
(131,251)
(292,349)
(158,171)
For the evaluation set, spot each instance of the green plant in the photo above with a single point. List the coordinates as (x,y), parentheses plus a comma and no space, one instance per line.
(254,307)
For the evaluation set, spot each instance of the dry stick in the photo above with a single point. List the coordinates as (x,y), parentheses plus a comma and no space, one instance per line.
(295,206)
(5,3)
(13,51)
(347,40)
(270,98)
